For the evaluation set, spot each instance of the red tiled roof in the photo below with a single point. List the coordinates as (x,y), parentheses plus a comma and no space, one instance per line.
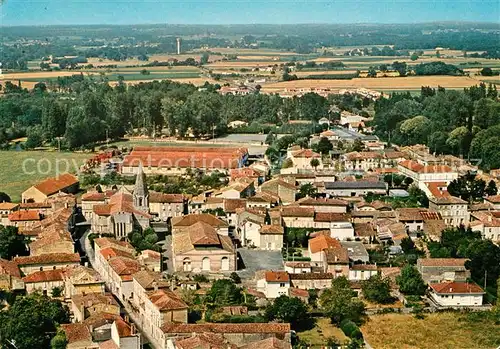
(8,206)
(155,197)
(364,267)
(108,242)
(295,211)
(227,328)
(96,196)
(34,205)
(119,202)
(493,199)
(22,216)
(110,252)
(76,332)
(50,258)
(44,276)
(230,205)
(53,185)
(419,168)
(123,328)
(124,267)
(166,300)
(277,276)
(272,230)
(9,268)
(204,341)
(190,219)
(298,292)
(332,217)
(308,201)
(442,262)
(323,242)
(305,153)
(456,288)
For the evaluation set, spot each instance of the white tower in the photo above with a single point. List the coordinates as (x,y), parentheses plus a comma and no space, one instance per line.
(178,46)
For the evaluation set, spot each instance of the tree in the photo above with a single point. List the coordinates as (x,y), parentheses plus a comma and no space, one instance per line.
(410,281)
(235,277)
(339,302)
(11,242)
(31,321)
(324,146)
(415,130)
(59,341)
(400,67)
(468,187)
(287,309)
(491,189)
(484,260)
(377,289)
(414,56)
(372,72)
(35,138)
(4,197)
(307,189)
(315,163)
(204,58)
(224,292)
(487,71)
(270,138)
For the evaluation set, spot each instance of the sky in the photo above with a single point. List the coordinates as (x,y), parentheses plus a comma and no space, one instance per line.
(59,12)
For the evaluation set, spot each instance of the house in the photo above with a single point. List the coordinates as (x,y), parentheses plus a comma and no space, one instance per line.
(53,239)
(494,201)
(165,206)
(263,200)
(231,207)
(324,205)
(257,176)
(82,280)
(270,237)
(281,188)
(78,336)
(83,306)
(249,223)
(178,160)
(451,294)
(100,325)
(91,198)
(200,340)
(307,281)
(66,183)
(10,276)
(236,334)
(150,259)
(414,218)
(298,267)
(6,208)
(453,210)
(422,174)
(356,251)
(435,270)
(301,160)
(241,188)
(184,222)
(339,224)
(123,335)
(297,217)
(274,284)
(24,220)
(357,188)
(45,281)
(360,272)
(365,232)
(31,264)
(362,161)
(200,248)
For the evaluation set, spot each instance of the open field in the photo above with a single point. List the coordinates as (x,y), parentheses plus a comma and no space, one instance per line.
(436,331)
(323,330)
(389,83)
(22,169)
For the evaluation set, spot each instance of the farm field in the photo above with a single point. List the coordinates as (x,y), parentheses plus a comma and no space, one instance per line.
(380,84)
(435,331)
(28,167)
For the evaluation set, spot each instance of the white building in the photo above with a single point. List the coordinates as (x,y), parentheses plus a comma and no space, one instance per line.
(274,284)
(450,294)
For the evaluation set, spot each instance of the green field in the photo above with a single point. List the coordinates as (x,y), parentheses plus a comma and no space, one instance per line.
(22,169)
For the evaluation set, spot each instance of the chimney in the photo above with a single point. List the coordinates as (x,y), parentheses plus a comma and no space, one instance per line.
(132,329)
(127,319)
(155,285)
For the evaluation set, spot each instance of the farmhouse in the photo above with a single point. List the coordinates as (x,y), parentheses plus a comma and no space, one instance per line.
(66,183)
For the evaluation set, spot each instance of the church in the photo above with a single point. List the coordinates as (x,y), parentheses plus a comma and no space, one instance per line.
(122,211)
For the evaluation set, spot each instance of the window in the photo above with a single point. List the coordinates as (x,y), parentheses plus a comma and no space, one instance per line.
(282,284)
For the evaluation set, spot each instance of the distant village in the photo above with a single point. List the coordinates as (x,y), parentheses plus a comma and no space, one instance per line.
(122,296)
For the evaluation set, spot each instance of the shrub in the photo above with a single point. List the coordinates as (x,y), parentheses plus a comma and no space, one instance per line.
(200,278)
(350,329)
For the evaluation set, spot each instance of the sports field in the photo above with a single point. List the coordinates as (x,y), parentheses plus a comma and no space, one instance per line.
(22,169)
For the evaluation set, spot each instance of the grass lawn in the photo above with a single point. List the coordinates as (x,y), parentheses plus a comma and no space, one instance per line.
(436,331)
(22,169)
(323,330)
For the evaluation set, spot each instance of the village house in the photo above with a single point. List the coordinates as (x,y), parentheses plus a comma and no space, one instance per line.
(414,218)
(355,188)
(83,306)
(82,280)
(435,270)
(6,208)
(301,160)
(262,200)
(270,238)
(200,248)
(164,206)
(45,281)
(328,254)
(324,205)
(123,335)
(356,251)
(236,334)
(10,276)
(184,222)
(78,336)
(274,284)
(307,281)
(360,272)
(452,294)
(66,183)
(453,210)
(44,262)
(281,188)
(151,260)
(24,220)
(257,176)
(422,174)
(92,198)
(298,267)
(494,201)
(248,223)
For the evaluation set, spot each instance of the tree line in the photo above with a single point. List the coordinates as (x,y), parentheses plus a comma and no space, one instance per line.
(463,123)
